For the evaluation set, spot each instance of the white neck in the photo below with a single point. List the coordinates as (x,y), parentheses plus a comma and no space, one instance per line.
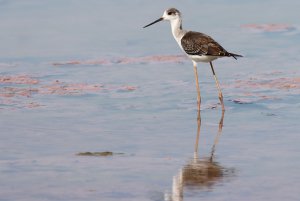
(177,29)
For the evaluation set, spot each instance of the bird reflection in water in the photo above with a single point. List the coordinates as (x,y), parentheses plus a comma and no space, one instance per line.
(199,173)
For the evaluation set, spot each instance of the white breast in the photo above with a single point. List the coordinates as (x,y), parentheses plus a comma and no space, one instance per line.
(203,58)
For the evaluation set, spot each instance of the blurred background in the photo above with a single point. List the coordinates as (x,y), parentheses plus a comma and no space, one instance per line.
(84,77)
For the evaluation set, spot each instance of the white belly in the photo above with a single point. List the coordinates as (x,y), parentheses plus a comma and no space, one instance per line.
(203,58)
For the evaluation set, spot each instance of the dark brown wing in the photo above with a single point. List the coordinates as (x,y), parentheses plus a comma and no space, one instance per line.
(195,43)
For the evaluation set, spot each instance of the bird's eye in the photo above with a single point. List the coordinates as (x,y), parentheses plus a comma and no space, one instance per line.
(169,13)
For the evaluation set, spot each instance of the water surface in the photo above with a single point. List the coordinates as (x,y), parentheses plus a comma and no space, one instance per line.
(80,77)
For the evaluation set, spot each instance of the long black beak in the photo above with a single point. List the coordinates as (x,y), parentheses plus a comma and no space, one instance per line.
(158,20)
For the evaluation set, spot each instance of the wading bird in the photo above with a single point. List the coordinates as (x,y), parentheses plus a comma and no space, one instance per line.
(199,47)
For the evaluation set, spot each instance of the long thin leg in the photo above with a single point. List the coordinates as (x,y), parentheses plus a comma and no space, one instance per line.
(197,136)
(218,86)
(198,131)
(197,85)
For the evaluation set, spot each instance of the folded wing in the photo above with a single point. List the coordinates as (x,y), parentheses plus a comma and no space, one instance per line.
(196,43)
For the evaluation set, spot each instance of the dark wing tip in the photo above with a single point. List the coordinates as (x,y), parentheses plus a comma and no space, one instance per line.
(235,55)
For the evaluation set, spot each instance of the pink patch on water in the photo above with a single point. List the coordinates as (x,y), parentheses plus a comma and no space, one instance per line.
(149,59)
(88,62)
(276,83)
(126,60)
(17,91)
(18,79)
(62,88)
(10,92)
(129,88)
(256,88)
(269,27)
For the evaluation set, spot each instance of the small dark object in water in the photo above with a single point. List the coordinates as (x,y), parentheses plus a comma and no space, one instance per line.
(269,114)
(104,153)
(241,101)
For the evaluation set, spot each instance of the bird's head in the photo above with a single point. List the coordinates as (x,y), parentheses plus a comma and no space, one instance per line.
(170,14)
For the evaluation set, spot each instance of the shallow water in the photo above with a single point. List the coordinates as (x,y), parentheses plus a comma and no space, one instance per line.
(85,77)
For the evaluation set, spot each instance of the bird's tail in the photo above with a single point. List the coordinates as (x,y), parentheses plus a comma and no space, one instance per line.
(234,55)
